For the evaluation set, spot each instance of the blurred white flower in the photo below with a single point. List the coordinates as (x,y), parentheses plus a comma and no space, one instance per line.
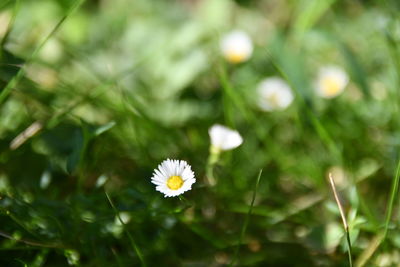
(236,46)
(274,94)
(331,81)
(223,138)
(173,177)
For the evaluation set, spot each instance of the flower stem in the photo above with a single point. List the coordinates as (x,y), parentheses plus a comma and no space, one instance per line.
(345,225)
(212,160)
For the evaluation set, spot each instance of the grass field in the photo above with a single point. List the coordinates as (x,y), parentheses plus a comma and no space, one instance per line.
(261,100)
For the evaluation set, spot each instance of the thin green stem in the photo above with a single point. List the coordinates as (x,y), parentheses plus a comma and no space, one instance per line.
(227,95)
(324,135)
(10,24)
(349,250)
(394,189)
(119,261)
(15,80)
(246,220)
(29,242)
(345,225)
(370,250)
(185,201)
(230,94)
(211,161)
(133,243)
(19,222)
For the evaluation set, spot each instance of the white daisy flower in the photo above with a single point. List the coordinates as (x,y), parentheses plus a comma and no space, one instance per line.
(223,138)
(236,46)
(331,81)
(274,94)
(173,177)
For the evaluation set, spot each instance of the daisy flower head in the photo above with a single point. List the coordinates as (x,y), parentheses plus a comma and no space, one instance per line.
(274,94)
(173,177)
(223,138)
(236,46)
(331,81)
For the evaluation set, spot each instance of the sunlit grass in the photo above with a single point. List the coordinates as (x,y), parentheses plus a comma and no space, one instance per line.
(95,94)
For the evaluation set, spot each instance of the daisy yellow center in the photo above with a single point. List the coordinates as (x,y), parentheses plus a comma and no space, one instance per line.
(330,86)
(273,100)
(235,56)
(174,182)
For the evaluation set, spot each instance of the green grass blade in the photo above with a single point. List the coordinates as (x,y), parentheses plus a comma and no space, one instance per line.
(246,220)
(345,225)
(133,243)
(30,242)
(230,97)
(356,69)
(370,250)
(394,189)
(15,80)
(10,24)
(311,12)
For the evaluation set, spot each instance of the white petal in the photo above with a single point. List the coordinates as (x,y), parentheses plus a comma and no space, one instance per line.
(169,168)
(333,73)
(224,138)
(274,94)
(157,182)
(236,46)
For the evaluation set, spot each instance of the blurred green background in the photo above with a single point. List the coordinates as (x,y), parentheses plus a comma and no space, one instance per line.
(95,94)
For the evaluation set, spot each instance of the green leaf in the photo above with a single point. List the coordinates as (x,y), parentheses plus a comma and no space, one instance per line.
(356,69)
(9,66)
(101,129)
(291,65)
(310,12)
